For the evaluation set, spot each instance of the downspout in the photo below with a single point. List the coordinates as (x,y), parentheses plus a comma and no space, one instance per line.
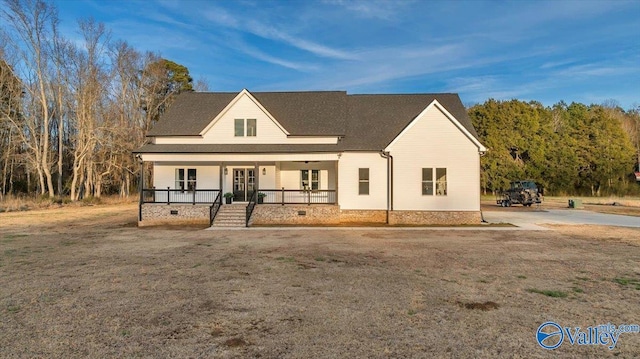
(387,155)
(482,220)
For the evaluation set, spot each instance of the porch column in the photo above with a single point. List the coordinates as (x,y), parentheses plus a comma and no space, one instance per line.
(336,175)
(221,175)
(141,185)
(257,174)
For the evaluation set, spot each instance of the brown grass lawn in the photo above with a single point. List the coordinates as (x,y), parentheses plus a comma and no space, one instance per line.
(85,282)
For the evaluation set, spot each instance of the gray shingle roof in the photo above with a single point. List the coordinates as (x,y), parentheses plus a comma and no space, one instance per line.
(367,122)
(376,120)
(190,113)
(319,113)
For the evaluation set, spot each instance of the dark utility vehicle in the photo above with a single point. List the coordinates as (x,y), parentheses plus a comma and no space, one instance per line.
(525,193)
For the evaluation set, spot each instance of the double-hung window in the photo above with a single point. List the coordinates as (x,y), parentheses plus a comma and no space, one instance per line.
(252,129)
(429,184)
(188,183)
(363,181)
(310,179)
(239,127)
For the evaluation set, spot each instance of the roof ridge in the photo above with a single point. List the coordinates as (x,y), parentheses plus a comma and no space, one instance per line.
(307,91)
(406,94)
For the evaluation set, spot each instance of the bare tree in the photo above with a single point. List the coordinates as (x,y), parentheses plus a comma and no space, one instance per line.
(10,102)
(89,89)
(31,24)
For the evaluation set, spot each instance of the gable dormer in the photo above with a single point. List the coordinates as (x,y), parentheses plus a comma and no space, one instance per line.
(244,120)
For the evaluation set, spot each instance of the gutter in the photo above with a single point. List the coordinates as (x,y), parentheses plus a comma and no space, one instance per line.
(389,158)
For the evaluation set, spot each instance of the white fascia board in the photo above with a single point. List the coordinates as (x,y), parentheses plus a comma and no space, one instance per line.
(233,102)
(451,118)
(237,157)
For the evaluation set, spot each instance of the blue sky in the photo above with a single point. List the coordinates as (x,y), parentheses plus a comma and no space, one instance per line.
(583,51)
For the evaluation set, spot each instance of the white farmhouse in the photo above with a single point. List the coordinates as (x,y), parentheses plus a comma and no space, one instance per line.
(323,157)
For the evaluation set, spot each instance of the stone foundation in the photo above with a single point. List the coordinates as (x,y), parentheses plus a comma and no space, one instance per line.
(434,217)
(363,216)
(156,214)
(275,214)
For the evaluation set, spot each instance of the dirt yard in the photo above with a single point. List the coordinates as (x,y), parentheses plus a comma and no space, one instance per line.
(85,282)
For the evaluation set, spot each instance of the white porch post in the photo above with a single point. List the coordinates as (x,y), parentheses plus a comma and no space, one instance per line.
(221,175)
(257,174)
(336,175)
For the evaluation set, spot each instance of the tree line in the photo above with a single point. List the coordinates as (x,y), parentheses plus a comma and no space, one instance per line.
(570,149)
(72,110)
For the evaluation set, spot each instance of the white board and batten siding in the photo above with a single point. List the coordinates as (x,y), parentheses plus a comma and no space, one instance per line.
(348,181)
(432,140)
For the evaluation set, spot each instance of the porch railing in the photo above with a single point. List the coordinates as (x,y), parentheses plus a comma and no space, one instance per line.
(296,196)
(215,207)
(169,196)
(250,207)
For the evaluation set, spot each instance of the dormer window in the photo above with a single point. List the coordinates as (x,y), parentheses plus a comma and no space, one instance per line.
(251,127)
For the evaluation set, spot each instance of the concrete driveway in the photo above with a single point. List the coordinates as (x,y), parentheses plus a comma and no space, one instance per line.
(532,219)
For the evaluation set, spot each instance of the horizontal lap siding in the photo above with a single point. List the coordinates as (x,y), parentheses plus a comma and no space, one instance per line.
(268,180)
(433,142)
(222,131)
(348,181)
(290,174)
(207,177)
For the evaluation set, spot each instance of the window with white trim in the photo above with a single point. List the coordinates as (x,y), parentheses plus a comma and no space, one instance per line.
(238,127)
(431,186)
(363,181)
(427,181)
(252,129)
(240,124)
(310,179)
(188,183)
(441,181)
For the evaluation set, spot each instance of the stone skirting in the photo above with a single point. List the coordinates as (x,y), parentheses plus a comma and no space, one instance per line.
(157,213)
(363,216)
(275,214)
(434,217)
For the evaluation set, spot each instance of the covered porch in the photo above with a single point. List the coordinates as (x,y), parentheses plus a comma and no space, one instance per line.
(207,182)
(277,182)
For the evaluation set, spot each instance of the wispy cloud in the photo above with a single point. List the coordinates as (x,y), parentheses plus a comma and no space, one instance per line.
(260,55)
(269,31)
(554,64)
(372,9)
(590,70)
(546,50)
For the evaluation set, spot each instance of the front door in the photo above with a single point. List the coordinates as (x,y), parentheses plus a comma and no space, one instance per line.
(244,180)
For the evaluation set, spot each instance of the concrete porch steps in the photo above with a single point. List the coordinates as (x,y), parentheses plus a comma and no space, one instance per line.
(231,215)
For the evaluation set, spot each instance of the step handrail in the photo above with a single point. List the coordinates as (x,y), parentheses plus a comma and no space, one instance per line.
(250,206)
(215,207)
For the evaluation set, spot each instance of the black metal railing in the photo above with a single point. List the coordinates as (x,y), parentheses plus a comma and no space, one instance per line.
(251,206)
(215,207)
(169,196)
(297,196)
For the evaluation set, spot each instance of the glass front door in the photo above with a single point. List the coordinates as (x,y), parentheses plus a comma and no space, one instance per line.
(244,181)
